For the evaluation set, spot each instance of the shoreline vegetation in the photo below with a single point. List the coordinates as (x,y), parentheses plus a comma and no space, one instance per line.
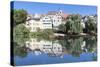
(50,34)
(72,28)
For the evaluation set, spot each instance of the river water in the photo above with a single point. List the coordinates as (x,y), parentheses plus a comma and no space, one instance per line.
(68,50)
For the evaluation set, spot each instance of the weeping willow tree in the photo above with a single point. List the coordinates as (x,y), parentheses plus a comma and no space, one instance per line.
(91,25)
(73,24)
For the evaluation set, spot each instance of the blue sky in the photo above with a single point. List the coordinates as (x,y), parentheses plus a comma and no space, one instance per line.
(42,8)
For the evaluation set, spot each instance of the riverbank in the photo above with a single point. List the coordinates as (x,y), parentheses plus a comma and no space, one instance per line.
(51,35)
(61,36)
(81,34)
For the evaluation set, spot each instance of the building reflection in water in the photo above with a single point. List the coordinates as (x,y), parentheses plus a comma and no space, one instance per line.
(51,48)
(58,48)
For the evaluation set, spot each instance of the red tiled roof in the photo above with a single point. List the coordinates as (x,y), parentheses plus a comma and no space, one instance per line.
(64,15)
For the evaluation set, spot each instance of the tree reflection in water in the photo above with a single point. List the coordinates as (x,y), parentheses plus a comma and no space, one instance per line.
(76,46)
(57,48)
(73,45)
(20,51)
(91,44)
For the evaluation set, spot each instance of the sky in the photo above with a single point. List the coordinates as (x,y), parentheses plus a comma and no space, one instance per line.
(42,8)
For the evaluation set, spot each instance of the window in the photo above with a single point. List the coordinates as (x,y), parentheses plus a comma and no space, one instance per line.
(46,18)
(59,17)
(46,23)
(43,20)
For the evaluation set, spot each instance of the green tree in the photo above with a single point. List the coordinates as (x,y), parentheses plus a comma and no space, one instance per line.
(19,16)
(90,25)
(20,34)
(73,24)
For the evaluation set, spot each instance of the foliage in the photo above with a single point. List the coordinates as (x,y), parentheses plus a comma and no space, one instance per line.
(73,24)
(20,34)
(44,34)
(90,25)
(19,16)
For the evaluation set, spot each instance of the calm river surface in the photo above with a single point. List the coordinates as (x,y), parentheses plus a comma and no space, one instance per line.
(68,50)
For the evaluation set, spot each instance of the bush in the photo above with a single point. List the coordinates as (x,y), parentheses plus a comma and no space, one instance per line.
(20,34)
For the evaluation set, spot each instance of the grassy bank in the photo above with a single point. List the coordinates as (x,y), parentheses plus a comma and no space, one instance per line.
(43,34)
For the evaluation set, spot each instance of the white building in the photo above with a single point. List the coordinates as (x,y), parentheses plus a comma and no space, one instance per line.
(33,23)
(47,21)
(57,18)
(36,22)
